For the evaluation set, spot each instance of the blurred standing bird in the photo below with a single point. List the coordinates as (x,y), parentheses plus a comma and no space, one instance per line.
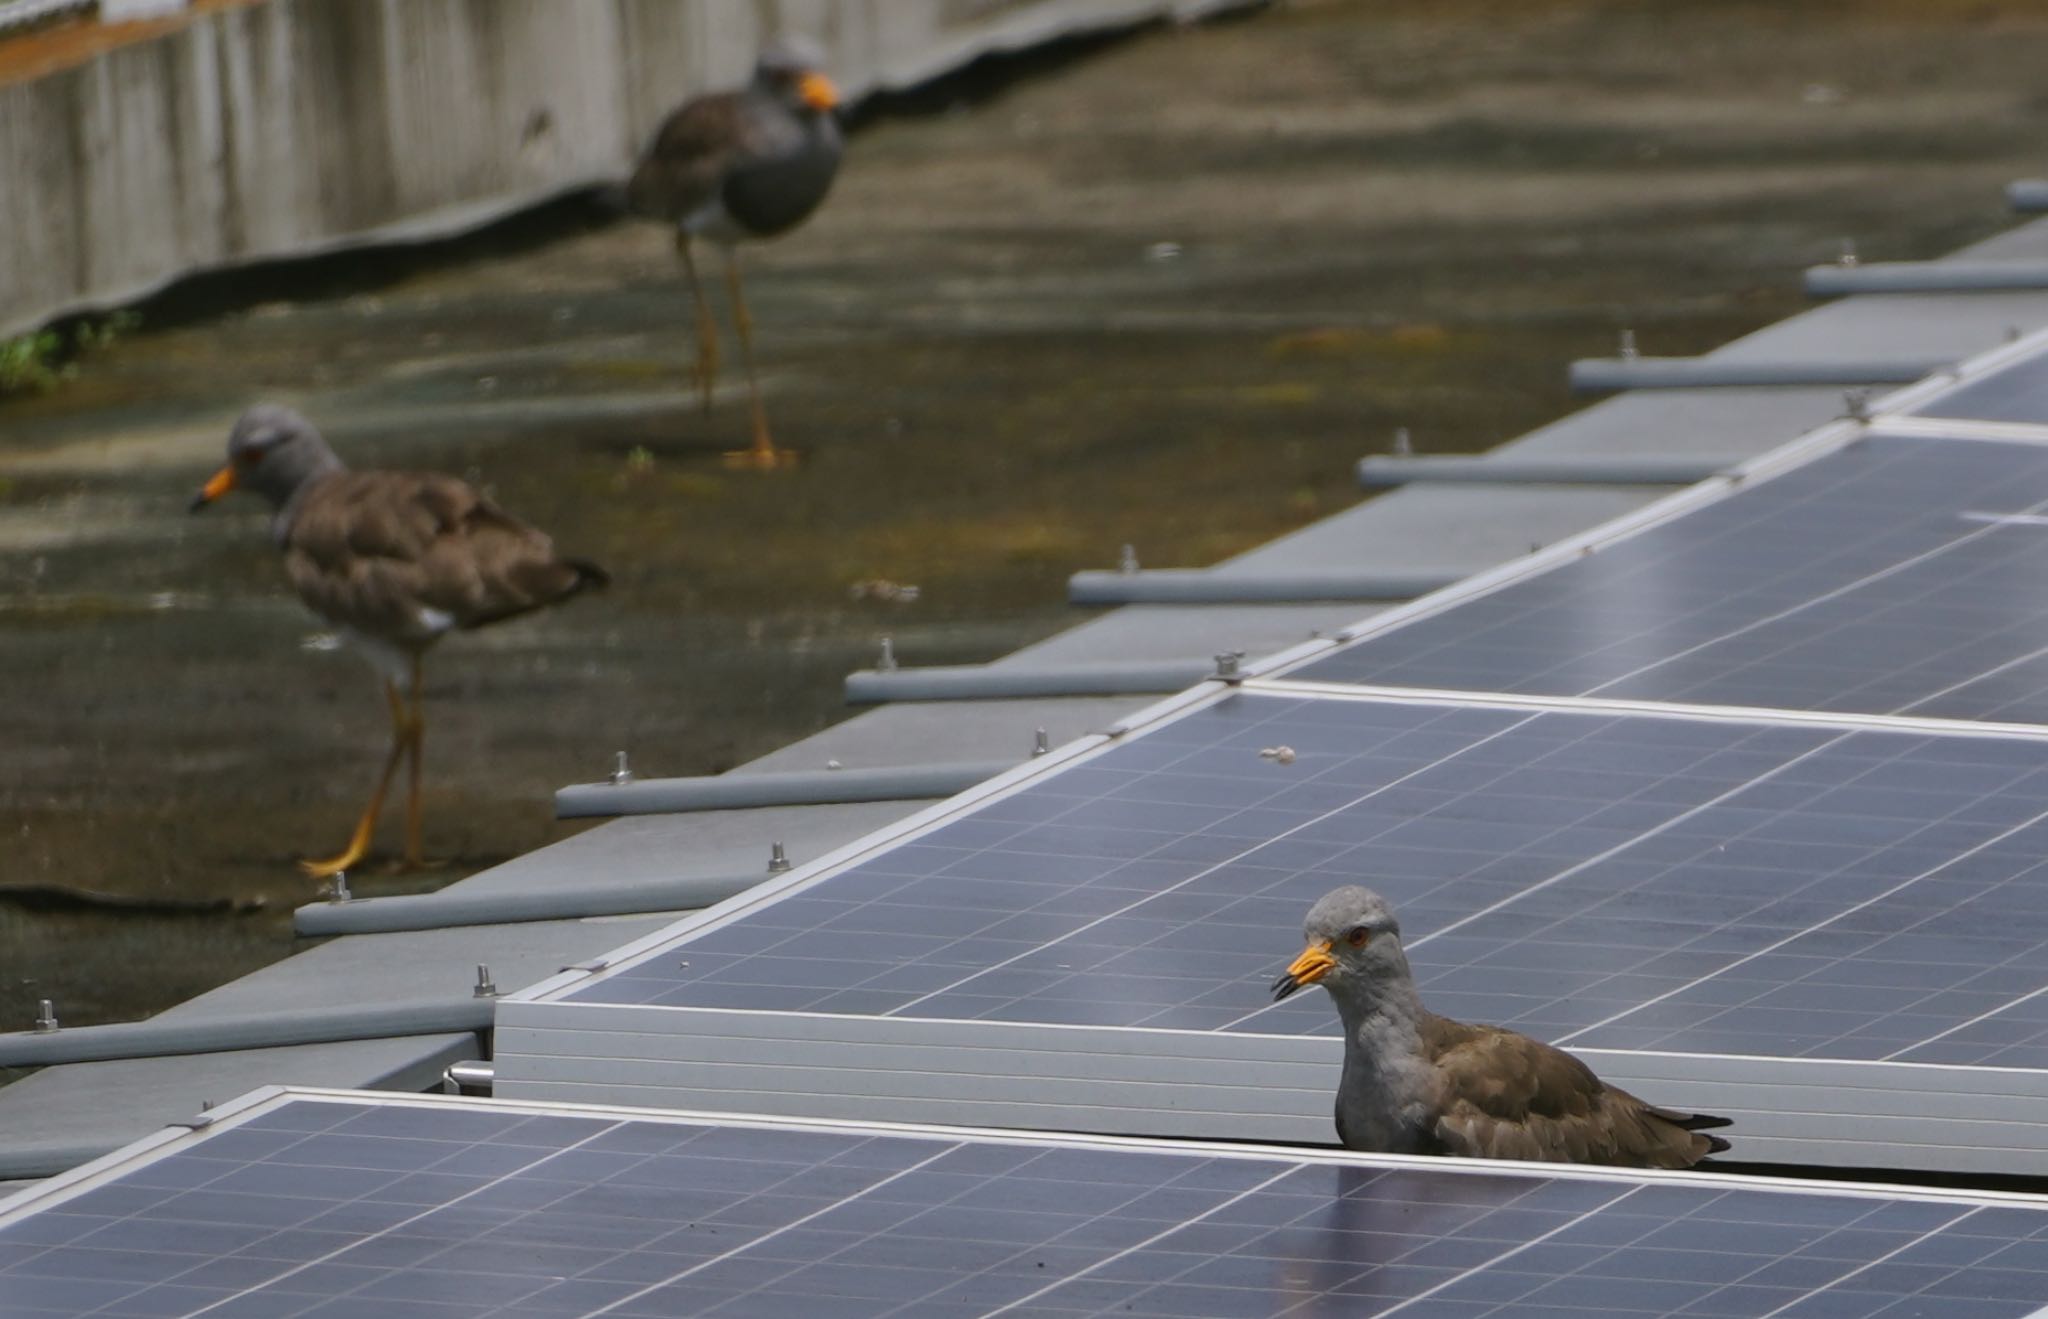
(740,166)
(1417,1083)
(396,560)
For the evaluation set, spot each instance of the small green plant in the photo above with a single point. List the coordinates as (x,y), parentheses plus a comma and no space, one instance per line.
(29,362)
(39,360)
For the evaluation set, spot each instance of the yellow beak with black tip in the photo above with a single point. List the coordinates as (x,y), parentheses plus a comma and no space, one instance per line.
(216,485)
(817,91)
(1316,961)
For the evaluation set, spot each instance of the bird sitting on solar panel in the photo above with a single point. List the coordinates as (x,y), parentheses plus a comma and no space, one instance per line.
(396,560)
(741,166)
(1417,1083)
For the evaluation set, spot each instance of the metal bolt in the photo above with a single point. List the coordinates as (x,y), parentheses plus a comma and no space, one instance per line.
(778,858)
(1227,663)
(46,1018)
(1041,743)
(337,887)
(206,1105)
(1404,443)
(622,773)
(1127,562)
(485,986)
(887,662)
(1858,402)
(1628,346)
(1848,256)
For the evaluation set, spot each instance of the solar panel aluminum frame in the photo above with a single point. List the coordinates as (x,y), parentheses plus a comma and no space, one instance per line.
(1155,1081)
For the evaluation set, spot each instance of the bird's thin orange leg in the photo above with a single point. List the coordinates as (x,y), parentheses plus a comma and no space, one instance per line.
(366,827)
(763,455)
(415,734)
(707,329)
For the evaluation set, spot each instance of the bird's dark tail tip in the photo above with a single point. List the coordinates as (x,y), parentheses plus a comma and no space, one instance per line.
(589,577)
(1703,1121)
(1716,1145)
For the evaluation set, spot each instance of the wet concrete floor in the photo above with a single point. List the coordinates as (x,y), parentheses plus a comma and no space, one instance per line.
(1164,292)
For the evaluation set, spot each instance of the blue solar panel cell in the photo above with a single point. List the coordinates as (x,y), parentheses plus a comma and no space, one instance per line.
(608,1213)
(1898,575)
(1605,880)
(2014,393)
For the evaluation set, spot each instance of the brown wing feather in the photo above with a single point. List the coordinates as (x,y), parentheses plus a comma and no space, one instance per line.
(1506,1096)
(686,163)
(371,550)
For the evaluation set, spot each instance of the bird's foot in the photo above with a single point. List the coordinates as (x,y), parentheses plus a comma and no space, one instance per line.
(758,459)
(334,865)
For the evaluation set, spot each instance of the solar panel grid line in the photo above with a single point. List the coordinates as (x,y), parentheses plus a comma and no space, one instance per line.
(1894,408)
(1978,1020)
(755,1244)
(1457,1230)
(247,1108)
(1136,1247)
(227,1301)
(1537,702)
(1513,899)
(806,873)
(1789,939)
(1717,628)
(1094,922)
(1205,871)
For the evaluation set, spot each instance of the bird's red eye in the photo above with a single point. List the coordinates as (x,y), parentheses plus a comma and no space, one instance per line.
(1357,936)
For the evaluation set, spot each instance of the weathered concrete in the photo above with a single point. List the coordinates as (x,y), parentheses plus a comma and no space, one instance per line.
(298,126)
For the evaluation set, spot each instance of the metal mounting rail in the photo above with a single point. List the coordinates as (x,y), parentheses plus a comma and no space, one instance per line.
(1926,277)
(1565,469)
(731,792)
(1198,586)
(981,682)
(1599,374)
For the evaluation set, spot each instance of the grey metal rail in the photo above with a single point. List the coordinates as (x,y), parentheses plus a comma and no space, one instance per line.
(154,1039)
(1559,470)
(980,682)
(1600,374)
(2027,195)
(1926,277)
(1198,586)
(727,792)
(438,911)
(1589,469)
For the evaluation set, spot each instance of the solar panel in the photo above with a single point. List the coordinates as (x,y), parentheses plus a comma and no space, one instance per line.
(1897,574)
(2016,392)
(1100,938)
(341,1206)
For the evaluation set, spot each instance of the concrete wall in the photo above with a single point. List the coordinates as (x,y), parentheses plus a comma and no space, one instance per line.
(295,126)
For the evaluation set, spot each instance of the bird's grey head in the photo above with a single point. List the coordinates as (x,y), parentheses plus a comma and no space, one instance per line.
(790,69)
(1354,943)
(272,450)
